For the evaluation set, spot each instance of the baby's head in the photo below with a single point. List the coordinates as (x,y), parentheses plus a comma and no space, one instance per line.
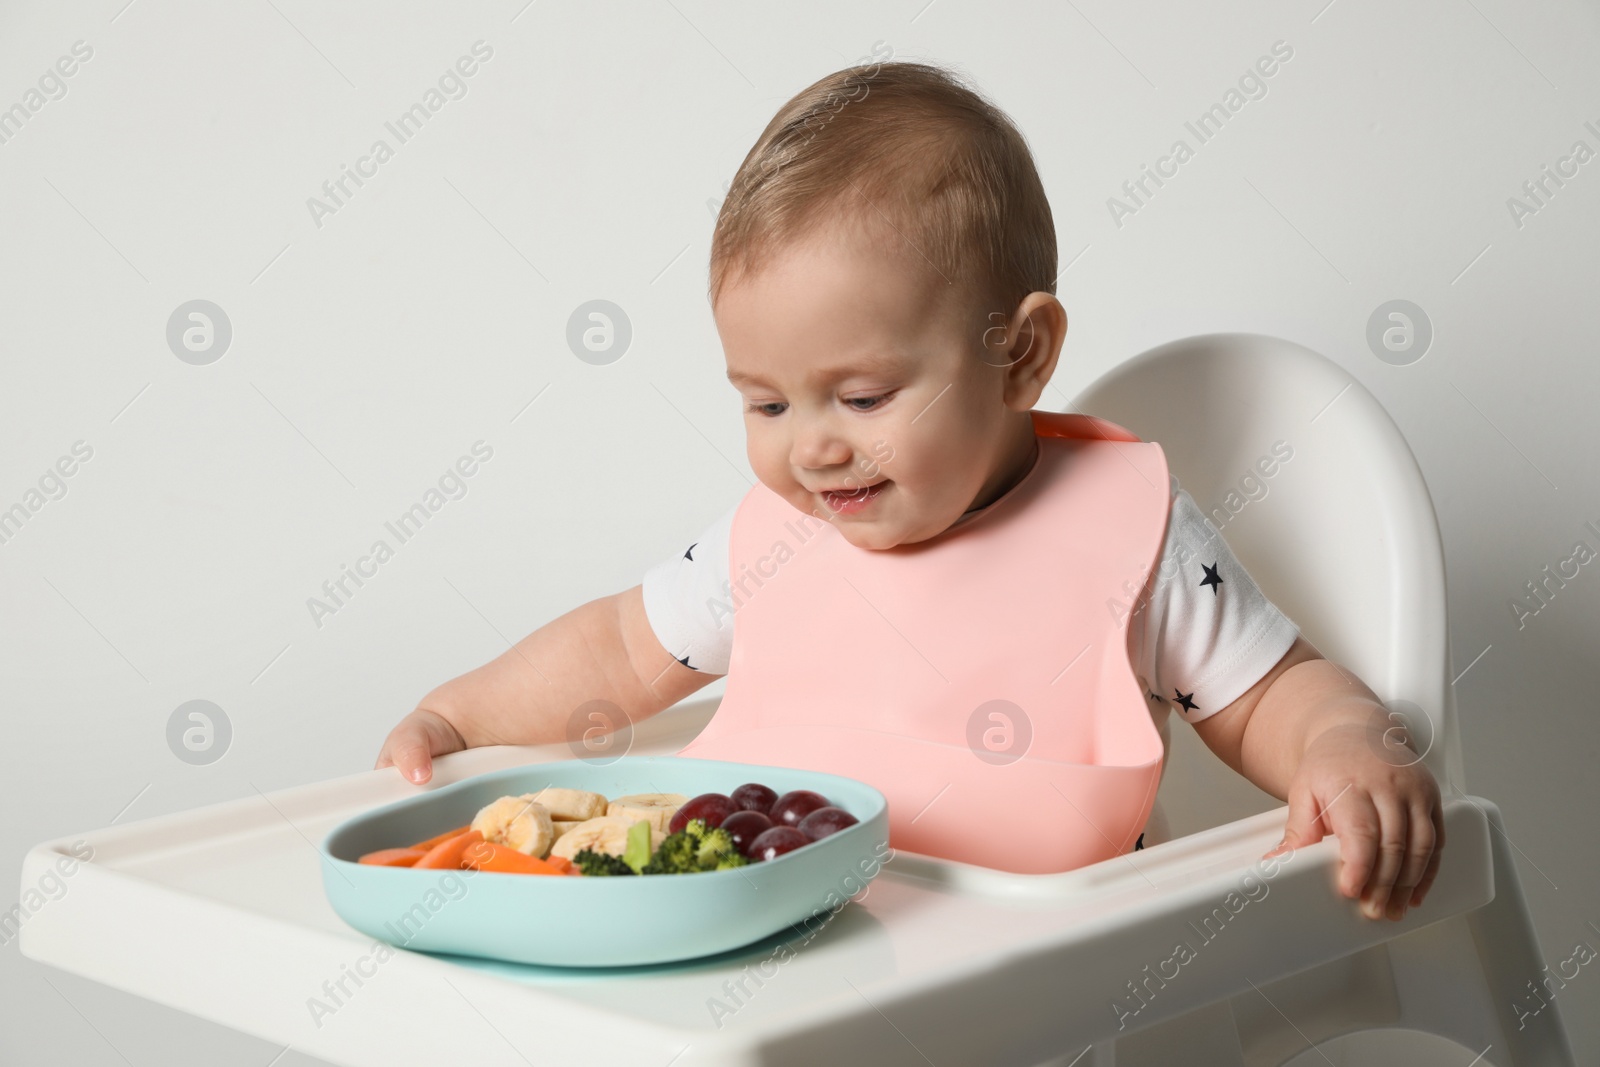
(882,279)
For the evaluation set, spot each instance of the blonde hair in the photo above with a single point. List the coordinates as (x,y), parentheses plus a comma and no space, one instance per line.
(902,143)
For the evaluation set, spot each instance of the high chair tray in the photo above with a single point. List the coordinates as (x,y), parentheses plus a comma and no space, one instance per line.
(220,912)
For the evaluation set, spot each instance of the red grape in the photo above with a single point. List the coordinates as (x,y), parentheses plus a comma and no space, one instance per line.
(712,807)
(795,805)
(745,826)
(769,844)
(825,821)
(753,796)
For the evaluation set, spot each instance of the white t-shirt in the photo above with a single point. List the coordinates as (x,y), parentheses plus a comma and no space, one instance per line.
(1206,634)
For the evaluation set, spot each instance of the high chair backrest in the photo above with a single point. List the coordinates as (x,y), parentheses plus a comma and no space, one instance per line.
(1315,490)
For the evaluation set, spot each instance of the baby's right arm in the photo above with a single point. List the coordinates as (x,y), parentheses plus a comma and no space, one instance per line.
(602,650)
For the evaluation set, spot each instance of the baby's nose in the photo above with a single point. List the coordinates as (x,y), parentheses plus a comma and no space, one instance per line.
(816,449)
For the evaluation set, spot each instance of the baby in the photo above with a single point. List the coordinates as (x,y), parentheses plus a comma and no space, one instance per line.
(921,579)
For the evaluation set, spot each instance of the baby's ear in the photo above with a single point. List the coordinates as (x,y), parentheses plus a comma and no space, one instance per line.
(1037,331)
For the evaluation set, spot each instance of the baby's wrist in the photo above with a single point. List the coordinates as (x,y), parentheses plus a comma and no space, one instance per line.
(450,714)
(1342,714)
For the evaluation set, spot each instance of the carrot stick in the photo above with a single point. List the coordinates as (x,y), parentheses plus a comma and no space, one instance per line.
(393,857)
(446,856)
(489,856)
(442,838)
(560,863)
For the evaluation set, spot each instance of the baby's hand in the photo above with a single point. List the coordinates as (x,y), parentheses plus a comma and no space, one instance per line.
(415,740)
(1386,813)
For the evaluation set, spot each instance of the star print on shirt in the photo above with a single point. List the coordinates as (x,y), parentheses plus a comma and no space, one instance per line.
(1228,644)
(1185,699)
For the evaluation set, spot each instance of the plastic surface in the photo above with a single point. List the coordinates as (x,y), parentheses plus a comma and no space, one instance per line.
(220,912)
(1007,731)
(597,922)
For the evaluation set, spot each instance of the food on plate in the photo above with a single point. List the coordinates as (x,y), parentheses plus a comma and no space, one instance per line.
(694,849)
(753,796)
(520,822)
(558,831)
(571,805)
(393,857)
(743,826)
(601,864)
(636,853)
(795,805)
(655,808)
(446,855)
(712,807)
(488,856)
(769,844)
(825,821)
(441,838)
(697,847)
(607,834)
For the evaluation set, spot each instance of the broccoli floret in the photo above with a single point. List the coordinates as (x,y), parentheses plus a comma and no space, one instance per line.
(731,860)
(675,855)
(717,852)
(595,863)
(693,849)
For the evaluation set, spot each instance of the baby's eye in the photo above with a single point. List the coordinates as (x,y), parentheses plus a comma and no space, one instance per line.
(867,402)
(763,408)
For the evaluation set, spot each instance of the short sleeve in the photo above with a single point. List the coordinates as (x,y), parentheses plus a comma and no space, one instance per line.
(686,599)
(1209,632)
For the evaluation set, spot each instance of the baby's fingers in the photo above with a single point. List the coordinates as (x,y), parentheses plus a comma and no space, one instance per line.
(1355,822)
(1419,853)
(1393,834)
(414,741)
(1303,826)
(406,749)
(411,755)
(1436,820)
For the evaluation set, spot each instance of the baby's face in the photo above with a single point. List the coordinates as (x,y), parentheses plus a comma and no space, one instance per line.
(870,398)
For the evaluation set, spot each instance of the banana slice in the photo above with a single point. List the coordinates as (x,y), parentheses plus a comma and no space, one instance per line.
(655,808)
(571,804)
(563,825)
(520,822)
(608,834)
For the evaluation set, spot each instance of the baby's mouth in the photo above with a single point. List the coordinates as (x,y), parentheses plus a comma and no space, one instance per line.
(853,499)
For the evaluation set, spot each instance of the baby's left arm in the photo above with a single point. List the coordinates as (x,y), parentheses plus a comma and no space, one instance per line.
(1304,733)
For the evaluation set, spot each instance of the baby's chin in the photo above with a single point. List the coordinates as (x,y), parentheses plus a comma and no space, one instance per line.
(869,535)
(886,534)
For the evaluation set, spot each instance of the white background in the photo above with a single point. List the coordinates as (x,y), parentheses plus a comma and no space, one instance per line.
(585,162)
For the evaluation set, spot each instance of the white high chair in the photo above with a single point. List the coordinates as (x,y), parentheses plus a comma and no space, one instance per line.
(221,911)
(1343,538)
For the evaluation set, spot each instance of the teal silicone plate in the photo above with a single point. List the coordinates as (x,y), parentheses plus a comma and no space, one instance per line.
(597,922)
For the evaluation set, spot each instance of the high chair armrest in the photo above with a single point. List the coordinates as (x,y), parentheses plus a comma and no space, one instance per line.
(1110,957)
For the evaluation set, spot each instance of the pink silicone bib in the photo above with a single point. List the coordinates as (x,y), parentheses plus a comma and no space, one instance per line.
(979,679)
